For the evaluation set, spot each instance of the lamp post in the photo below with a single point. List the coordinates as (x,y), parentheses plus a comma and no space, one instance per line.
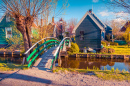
(61,22)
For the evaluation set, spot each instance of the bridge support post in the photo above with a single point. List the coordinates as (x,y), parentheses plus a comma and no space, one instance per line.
(45,45)
(64,47)
(69,43)
(38,49)
(25,59)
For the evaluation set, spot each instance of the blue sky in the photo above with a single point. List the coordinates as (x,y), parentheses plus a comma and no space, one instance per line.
(78,8)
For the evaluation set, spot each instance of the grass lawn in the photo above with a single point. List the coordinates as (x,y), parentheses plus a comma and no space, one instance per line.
(102,74)
(120,49)
(11,66)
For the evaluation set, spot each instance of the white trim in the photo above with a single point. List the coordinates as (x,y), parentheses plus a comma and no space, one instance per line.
(87,13)
(37,43)
(100,21)
(6,32)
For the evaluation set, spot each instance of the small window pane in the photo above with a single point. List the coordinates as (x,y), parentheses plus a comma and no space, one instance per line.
(8,32)
(81,35)
(7,18)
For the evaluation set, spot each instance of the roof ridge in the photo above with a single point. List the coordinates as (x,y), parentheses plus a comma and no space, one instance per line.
(95,20)
(99,20)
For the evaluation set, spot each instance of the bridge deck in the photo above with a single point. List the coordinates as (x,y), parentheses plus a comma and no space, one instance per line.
(44,62)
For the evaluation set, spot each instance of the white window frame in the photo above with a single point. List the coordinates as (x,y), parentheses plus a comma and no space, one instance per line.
(7,18)
(8,29)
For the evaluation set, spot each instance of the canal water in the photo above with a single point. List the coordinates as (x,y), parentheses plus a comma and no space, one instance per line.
(10,59)
(84,63)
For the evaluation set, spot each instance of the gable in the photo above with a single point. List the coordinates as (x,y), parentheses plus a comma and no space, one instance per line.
(3,22)
(96,21)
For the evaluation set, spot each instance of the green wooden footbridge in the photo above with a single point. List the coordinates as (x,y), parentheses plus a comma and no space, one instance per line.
(42,50)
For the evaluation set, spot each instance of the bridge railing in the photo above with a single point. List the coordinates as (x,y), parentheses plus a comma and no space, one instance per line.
(28,56)
(61,46)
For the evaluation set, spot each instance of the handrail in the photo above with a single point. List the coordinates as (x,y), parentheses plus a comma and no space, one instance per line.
(31,54)
(57,50)
(27,52)
(39,53)
(37,43)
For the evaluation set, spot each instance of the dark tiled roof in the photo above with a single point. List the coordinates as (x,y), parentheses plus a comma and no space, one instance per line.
(123,29)
(99,21)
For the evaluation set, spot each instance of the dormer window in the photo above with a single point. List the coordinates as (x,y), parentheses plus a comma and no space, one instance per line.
(8,31)
(7,18)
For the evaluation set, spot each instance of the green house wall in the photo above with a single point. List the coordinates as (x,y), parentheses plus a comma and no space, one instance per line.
(4,24)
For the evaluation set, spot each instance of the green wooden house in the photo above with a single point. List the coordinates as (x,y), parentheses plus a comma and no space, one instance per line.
(6,29)
(6,24)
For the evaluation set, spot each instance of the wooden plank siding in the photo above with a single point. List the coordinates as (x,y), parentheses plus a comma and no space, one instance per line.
(4,24)
(92,34)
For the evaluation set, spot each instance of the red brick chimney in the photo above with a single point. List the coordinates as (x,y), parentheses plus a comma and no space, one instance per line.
(90,11)
(52,19)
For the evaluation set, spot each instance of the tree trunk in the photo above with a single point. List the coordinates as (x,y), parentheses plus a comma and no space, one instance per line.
(26,41)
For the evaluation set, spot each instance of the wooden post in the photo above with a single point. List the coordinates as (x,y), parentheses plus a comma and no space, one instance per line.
(45,46)
(38,49)
(12,54)
(69,43)
(76,55)
(111,56)
(4,54)
(53,65)
(64,47)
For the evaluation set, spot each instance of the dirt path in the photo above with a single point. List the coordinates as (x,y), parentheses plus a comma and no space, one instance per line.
(35,77)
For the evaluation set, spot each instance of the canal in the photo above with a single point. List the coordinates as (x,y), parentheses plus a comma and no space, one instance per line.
(84,63)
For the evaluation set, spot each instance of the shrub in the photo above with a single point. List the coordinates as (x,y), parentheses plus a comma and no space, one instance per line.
(73,49)
(103,43)
(104,50)
(110,50)
(114,43)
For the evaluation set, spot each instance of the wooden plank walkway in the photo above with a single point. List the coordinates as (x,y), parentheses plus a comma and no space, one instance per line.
(44,62)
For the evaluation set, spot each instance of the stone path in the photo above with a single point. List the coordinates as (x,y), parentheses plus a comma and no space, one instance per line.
(44,62)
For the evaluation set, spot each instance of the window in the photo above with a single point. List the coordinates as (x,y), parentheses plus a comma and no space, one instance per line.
(8,31)
(81,35)
(7,18)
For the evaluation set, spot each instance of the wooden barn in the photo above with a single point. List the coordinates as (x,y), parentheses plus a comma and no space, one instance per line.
(90,31)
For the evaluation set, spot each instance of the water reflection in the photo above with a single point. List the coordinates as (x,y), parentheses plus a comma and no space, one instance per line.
(84,63)
(15,59)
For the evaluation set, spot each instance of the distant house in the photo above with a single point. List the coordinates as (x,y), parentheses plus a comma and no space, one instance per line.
(123,29)
(6,27)
(90,31)
(6,24)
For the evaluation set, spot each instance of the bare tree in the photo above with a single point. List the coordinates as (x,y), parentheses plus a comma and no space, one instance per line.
(24,12)
(45,26)
(116,29)
(124,4)
(71,24)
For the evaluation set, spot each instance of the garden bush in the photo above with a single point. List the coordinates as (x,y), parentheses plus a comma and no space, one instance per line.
(114,43)
(73,49)
(110,50)
(104,50)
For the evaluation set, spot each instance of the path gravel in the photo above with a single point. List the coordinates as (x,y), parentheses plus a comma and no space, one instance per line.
(36,77)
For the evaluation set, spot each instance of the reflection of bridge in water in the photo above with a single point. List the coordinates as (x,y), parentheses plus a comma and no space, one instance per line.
(48,53)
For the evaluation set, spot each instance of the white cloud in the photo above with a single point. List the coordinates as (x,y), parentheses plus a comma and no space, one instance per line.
(117,15)
(119,20)
(121,14)
(95,1)
(105,13)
